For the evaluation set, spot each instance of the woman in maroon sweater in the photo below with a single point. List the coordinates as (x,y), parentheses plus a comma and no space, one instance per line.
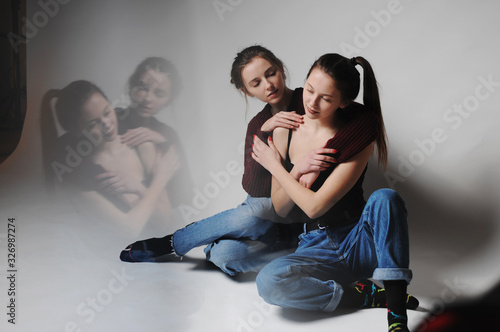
(247,237)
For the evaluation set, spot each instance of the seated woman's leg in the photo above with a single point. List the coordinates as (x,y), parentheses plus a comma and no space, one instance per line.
(240,256)
(379,243)
(244,221)
(309,279)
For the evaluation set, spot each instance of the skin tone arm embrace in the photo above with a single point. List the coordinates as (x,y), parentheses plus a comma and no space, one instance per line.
(133,221)
(287,191)
(321,100)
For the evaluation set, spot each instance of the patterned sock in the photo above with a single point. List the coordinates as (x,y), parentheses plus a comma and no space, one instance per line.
(396,305)
(363,294)
(366,294)
(150,250)
(373,295)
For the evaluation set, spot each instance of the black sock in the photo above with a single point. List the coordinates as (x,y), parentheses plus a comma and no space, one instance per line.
(148,250)
(159,246)
(396,305)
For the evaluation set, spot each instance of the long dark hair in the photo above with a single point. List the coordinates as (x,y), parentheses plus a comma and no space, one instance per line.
(67,108)
(347,80)
(246,55)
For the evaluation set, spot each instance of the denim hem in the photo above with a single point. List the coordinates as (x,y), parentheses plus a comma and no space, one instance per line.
(338,292)
(382,274)
(173,248)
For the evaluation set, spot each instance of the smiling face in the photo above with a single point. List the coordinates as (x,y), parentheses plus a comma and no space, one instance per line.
(321,97)
(263,80)
(151,94)
(98,118)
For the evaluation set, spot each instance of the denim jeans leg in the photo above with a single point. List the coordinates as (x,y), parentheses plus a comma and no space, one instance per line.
(241,256)
(309,279)
(245,221)
(379,244)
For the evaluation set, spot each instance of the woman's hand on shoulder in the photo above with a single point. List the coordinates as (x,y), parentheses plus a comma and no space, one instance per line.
(283,119)
(137,136)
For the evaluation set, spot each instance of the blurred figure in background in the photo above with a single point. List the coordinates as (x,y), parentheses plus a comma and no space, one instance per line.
(105,177)
(152,87)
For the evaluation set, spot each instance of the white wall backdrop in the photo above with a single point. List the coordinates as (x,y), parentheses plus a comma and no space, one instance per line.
(436,63)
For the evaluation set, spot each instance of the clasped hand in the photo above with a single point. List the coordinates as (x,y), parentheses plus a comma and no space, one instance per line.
(266,155)
(307,168)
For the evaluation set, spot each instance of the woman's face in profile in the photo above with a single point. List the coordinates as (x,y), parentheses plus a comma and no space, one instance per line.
(321,97)
(263,80)
(98,118)
(152,93)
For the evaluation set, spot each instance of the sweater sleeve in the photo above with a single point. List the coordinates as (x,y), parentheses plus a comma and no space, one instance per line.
(256,179)
(356,135)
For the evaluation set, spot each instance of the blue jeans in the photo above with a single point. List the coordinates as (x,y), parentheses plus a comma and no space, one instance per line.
(375,247)
(242,239)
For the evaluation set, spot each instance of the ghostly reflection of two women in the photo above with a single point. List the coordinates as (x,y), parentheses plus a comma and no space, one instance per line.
(106,178)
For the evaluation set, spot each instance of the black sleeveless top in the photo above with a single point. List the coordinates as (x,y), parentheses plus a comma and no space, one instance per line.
(347,210)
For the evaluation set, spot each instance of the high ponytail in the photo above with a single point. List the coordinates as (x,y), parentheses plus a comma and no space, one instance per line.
(371,99)
(343,71)
(67,109)
(49,135)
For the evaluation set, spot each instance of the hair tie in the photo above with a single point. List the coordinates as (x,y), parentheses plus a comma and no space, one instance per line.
(353,61)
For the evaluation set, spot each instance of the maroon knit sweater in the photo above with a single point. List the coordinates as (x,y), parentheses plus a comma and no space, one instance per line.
(256,179)
(359,129)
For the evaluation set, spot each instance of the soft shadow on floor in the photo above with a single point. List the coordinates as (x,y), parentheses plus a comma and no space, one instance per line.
(303,316)
(444,235)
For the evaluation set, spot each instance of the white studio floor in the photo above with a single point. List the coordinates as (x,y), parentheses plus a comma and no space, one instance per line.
(69,278)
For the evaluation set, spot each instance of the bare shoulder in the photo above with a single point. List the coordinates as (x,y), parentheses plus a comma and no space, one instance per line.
(146,147)
(279,133)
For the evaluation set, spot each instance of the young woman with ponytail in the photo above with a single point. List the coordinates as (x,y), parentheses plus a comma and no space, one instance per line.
(247,237)
(345,237)
(153,86)
(91,146)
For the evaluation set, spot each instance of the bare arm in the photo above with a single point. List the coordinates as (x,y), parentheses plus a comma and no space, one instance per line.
(314,204)
(282,203)
(134,220)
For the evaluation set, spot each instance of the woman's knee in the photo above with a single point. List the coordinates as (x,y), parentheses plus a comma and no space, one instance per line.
(385,194)
(387,198)
(271,283)
(231,256)
(221,251)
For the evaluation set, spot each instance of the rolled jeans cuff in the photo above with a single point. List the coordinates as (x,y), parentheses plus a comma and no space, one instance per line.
(392,274)
(338,291)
